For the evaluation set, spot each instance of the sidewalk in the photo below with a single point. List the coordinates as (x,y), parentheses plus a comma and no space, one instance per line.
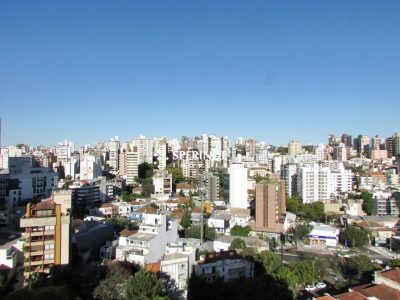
(384,252)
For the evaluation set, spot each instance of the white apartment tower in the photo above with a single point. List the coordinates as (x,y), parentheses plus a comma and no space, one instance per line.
(90,168)
(238,186)
(113,153)
(144,149)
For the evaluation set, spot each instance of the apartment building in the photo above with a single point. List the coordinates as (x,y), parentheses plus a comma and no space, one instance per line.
(47,233)
(238,197)
(270,206)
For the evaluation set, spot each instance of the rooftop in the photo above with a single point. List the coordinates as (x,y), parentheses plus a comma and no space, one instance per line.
(140,236)
(393,274)
(46,204)
(223,255)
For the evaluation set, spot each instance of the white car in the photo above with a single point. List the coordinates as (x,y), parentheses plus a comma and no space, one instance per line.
(310,288)
(378,261)
(320,285)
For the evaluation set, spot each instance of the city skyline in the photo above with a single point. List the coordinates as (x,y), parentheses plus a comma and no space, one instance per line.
(267,70)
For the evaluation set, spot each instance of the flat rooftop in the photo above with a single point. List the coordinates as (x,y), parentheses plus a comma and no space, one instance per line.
(140,236)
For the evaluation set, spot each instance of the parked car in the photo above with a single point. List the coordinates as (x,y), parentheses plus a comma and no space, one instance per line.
(310,288)
(377,261)
(320,285)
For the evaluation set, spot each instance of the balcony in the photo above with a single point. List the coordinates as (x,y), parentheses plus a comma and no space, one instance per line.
(38,262)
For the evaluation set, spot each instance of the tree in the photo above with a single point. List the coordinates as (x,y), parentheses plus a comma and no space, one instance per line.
(177,175)
(301,231)
(142,286)
(394,263)
(270,261)
(360,266)
(186,220)
(304,272)
(240,230)
(238,243)
(368,202)
(355,236)
(194,232)
(113,286)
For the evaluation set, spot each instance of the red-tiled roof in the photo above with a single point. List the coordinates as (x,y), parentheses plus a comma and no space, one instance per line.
(183,200)
(153,267)
(105,205)
(380,291)
(351,296)
(392,274)
(127,232)
(177,213)
(45,205)
(147,209)
(325,297)
(183,186)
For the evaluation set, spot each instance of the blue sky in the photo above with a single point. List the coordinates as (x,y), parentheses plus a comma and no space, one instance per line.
(274,70)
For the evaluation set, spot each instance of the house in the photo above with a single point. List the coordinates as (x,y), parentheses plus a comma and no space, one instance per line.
(225,265)
(137,215)
(108,210)
(380,233)
(186,189)
(220,222)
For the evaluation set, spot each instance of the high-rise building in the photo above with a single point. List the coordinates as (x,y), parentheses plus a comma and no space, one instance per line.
(90,168)
(289,175)
(64,150)
(320,182)
(251,149)
(347,139)
(113,153)
(47,233)
(294,148)
(211,183)
(145,148)
(132,161)
(238,197)
(393,145)
(270,206)
(22,182)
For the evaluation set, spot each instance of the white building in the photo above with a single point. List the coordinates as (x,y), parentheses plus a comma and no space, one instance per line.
(323,235)
(149,244)
(178,264)
(162,182)
(238,186)
(113,153)
(145,148)
(64,150)
(71,168)
(5,153)
(224,265)
(90,168)
(220,222)
(132,161)
(318,183)
(20,183)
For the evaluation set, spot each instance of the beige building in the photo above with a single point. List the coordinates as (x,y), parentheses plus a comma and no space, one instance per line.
(270,206)
(294,148)
(47,233)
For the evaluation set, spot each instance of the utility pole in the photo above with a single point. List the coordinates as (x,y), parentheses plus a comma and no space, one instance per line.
(202,212)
